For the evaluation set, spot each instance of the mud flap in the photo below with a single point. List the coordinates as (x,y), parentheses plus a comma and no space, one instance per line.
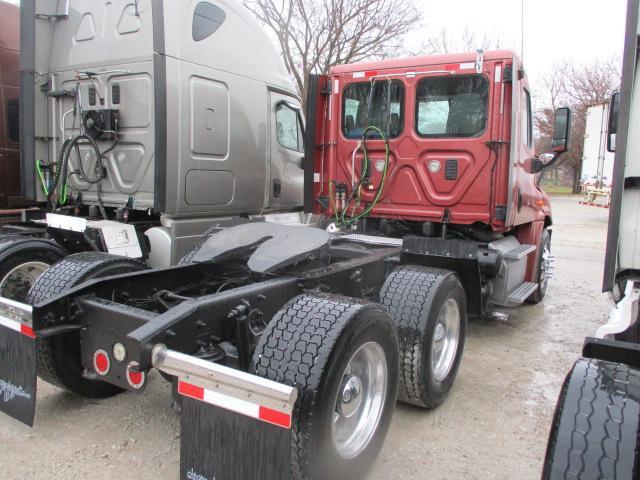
(225,445)
(234,425)
(17,362)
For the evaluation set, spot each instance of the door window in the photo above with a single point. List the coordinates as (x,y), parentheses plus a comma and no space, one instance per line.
(289,127)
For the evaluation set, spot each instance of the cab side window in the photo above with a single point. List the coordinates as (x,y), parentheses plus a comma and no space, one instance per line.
(207,18)
(13,120)
(289,128)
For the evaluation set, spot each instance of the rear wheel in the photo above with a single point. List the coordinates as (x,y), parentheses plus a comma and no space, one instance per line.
(596,427)
(58,357)
(429,309)
(22,261)
(343,358)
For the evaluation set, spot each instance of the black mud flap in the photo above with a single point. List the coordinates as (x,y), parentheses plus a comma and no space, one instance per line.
(17,370)
(223,445)
(234,425)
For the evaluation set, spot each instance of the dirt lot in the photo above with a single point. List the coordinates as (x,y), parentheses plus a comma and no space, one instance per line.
(493,426)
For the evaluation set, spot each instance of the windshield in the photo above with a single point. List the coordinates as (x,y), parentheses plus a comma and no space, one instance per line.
(452,106)
(361,110)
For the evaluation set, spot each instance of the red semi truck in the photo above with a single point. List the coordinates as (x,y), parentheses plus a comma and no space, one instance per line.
(287,346)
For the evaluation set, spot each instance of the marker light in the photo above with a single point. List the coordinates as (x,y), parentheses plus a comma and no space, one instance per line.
(119,352)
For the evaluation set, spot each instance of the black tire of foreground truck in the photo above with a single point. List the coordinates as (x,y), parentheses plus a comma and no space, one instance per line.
(596,425)
(342,355)
(429,308)
(542,268)
(58,358)
(22,261)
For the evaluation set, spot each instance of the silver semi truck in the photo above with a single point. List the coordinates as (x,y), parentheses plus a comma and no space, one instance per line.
(144,125)
(596,428)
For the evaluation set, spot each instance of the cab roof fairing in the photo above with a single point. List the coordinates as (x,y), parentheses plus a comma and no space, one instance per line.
(422,61)
(247,49)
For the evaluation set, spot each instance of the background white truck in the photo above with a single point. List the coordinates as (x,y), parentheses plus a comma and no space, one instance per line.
(597,160)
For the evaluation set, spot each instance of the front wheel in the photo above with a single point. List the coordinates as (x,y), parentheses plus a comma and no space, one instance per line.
(544,268)
(343,358)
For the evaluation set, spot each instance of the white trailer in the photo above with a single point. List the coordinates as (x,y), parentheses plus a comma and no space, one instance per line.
(597,162)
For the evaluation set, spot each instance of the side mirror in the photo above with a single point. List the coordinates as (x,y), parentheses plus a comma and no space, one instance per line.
(612,130)
(561,131)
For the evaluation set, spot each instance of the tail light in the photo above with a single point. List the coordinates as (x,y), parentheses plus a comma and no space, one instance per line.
(101,362)
(135,378)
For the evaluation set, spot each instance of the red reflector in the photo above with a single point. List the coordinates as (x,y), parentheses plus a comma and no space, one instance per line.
(273,416)
(27,330)
(452,66)
(135,379)
(192,391)
(101,362)
(371,73)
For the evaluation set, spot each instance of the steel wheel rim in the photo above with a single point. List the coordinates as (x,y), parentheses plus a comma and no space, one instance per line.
(445,339)
(16,283)
(360,400)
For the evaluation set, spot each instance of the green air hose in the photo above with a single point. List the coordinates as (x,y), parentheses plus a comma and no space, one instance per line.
(365,166)
(45,188)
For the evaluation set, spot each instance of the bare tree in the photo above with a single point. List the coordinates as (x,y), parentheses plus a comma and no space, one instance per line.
(317,35)
(467,41)
(578,87)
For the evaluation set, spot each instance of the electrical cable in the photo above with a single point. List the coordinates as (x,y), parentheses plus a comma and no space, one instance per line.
(332,201)
(383,179)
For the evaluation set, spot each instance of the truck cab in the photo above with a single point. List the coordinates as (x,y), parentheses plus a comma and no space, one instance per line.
(459,128)
(191,113)
(436,146)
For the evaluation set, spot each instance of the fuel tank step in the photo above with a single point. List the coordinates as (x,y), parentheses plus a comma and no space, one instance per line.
(520,252)
(520,294)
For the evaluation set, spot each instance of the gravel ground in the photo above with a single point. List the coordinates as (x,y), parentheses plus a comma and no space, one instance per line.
(494,425)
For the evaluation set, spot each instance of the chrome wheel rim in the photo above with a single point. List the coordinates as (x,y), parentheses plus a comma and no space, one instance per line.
(360,400)
(445,339)
(545,267)
(16,284)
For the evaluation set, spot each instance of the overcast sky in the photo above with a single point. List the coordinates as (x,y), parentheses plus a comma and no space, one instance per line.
(554,30)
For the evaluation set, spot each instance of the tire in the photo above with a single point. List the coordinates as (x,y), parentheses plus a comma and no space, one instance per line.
(542,274)
(58,357)
(416,296)
(309,344)
(22,261)
(595,429)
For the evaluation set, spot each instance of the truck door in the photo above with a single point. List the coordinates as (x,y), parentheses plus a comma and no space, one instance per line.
(287,153)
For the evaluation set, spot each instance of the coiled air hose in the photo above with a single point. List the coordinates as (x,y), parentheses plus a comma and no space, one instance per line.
(364,175)
(73,144)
